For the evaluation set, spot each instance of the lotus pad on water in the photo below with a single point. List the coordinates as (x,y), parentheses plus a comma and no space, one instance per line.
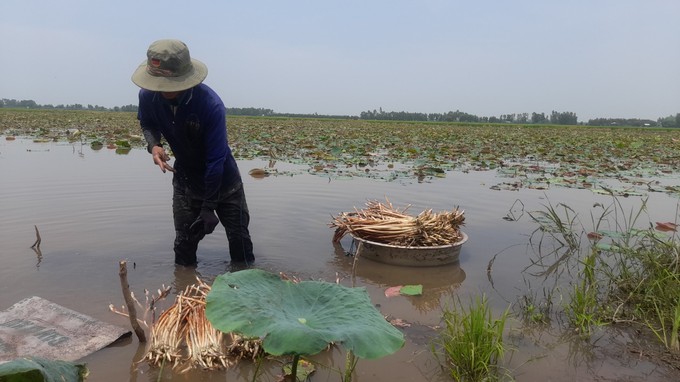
(37,369)
(299,318)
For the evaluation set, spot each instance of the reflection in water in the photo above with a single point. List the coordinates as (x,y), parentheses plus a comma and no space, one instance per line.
(38,255)
(184,277)
(36,247)
(438,281)
(137,360)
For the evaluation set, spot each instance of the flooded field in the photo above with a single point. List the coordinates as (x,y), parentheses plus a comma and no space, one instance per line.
(95,208)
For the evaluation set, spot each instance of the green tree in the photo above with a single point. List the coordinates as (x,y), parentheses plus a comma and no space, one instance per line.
(538,118)
(670,121)
(563,118)
(27,103)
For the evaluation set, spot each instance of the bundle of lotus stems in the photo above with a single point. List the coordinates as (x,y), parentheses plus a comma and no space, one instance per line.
(383,223)
(183,333)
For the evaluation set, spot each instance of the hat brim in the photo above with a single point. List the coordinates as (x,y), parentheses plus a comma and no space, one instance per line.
(195,76)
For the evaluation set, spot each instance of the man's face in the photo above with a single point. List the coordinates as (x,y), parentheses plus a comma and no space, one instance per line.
(170,95)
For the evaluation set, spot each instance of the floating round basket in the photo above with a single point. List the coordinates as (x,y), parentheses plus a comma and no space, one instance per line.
(425,256)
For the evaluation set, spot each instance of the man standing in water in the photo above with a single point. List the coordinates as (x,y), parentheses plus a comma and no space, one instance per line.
(175,104)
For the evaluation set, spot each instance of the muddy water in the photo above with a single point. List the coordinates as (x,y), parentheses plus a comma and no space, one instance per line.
(96,208)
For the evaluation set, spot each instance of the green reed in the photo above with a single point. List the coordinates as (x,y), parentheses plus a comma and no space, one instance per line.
(472,341)
(630,273)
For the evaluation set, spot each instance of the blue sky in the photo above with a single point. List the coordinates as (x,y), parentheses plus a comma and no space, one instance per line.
(596,58)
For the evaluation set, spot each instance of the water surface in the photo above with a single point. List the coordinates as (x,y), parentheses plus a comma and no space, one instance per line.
(94,209)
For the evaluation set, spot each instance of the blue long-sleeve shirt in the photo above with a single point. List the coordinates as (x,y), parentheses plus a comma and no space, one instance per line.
(196,130)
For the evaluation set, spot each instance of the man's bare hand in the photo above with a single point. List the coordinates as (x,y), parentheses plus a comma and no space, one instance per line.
(161,158)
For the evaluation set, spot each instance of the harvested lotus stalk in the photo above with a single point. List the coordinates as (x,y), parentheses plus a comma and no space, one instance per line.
(204,342)
(184,335)
(244,348)
(166,338)
(382,223)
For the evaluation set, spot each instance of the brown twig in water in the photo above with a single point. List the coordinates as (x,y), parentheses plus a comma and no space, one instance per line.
(36,245)
(151,304)
(129,301)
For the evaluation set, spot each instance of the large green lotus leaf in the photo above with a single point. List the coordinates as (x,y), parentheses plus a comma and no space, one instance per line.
(36,369)
(299,318)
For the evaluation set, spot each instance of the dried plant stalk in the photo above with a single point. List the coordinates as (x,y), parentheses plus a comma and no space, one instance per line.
(204,342)
(130,302)
(183,335)
(244,348)
(166,338)
(383,223)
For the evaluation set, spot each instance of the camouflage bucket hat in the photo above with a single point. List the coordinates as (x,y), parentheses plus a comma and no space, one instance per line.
(169,68)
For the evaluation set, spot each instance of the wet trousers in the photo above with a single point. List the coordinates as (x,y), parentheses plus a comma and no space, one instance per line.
(232,211)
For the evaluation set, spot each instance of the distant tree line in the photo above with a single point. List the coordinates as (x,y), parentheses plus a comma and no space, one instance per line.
(30,104)
(626,122)
(250,111)
(261,112)
(670,121)
(555,117)
(559,118)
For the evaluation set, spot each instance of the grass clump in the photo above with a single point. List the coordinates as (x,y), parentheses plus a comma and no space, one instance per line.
(648,280)
(583,308)
(629,273)
(471,341)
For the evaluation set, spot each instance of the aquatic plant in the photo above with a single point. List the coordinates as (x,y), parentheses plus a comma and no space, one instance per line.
(647,276)
(630,273)
(582,307)
(299,318)
(41,369)
(472,341)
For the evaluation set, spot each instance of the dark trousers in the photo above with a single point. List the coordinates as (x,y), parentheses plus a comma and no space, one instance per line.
(232,210)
